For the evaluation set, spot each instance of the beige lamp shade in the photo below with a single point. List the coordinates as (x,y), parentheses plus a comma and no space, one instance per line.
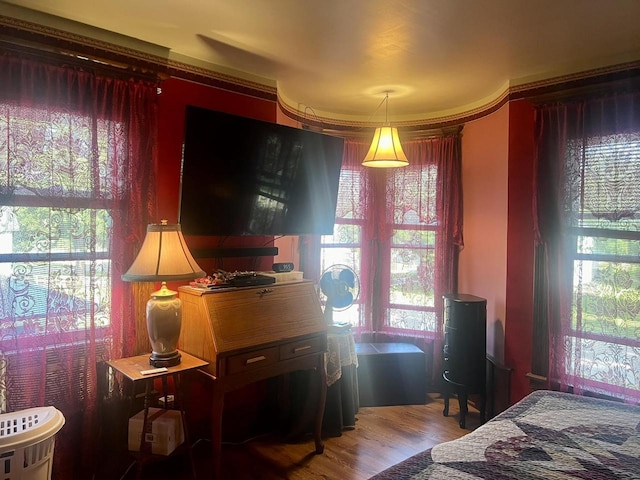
(385,150)
(164,256)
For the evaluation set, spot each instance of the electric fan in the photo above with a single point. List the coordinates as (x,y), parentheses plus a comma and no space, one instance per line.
(340,286)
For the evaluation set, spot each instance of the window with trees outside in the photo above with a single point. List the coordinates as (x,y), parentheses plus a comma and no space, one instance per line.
(405,260)
(75,172)
(77,176)
(55,228)
(604,339)
(344,247)
(391,229)
(588,231)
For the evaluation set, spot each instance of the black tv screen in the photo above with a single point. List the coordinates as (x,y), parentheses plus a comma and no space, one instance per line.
(248,177)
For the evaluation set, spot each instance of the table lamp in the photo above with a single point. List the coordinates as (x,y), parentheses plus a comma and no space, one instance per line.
(164,256)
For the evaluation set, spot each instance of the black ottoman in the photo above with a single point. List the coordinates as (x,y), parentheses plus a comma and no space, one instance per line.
(391,374)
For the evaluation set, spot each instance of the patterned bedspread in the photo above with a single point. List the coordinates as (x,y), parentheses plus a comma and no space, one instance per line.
(547,435)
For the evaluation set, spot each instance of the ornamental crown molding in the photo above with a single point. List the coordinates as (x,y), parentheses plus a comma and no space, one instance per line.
(53,36)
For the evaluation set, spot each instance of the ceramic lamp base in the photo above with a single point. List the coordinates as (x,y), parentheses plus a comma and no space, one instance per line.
(164,320)
(165,360)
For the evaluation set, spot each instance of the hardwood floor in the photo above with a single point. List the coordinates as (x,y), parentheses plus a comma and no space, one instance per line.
(383,436)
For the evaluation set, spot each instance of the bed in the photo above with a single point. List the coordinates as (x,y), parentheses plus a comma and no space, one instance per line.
(547,435)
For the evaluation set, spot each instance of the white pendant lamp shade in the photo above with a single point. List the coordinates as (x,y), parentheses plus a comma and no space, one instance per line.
(385,150)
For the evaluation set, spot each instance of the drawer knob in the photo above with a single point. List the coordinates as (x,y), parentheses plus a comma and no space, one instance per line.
(264,291)
(301,349)
(255,359)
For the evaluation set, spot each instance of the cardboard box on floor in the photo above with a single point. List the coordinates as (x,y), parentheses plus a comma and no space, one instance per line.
(164,430)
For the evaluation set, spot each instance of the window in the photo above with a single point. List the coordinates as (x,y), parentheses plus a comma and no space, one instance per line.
(76,184)
(390,228)
(412,248)
(55,228)
(604,338)
(344,247)
(587,288)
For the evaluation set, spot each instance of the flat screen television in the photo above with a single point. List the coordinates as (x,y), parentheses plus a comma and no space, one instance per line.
(242,176)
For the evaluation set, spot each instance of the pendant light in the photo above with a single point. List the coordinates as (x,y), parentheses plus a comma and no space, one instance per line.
(386,150)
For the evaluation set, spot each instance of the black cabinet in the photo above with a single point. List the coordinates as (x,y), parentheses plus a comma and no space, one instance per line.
(390,374)
(465,350)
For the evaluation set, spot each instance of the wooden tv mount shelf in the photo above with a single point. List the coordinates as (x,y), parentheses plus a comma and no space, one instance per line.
(250,334)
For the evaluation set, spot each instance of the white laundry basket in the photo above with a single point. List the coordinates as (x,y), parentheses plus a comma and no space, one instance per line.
(27,438)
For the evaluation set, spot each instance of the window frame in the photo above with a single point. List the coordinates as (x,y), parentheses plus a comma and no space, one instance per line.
(95,199)
(425,308)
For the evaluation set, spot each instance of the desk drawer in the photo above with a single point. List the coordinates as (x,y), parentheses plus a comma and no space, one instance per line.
(300,348)
(252,360)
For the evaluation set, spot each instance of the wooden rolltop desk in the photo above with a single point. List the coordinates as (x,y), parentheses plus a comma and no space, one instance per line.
(252,333)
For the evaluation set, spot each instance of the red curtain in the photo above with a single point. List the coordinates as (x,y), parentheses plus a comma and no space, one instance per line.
(411,194)
(424,196)
(445,154)
(76,190)
(587,211)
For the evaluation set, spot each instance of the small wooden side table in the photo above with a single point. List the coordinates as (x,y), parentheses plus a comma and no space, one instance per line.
(131,368)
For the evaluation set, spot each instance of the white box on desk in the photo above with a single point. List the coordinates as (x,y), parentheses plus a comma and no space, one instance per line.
(164,430)
(284,277)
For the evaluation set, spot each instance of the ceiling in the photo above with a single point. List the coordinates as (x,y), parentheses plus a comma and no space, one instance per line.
(335,58)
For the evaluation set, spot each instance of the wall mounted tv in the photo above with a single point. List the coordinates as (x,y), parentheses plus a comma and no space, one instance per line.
(248,177)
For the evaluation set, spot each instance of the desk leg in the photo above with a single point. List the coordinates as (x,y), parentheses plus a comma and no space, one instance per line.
(322,373)
(180,403)
(216,431)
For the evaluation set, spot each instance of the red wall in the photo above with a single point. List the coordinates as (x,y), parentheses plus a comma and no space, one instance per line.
(520,247)
(175,96)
